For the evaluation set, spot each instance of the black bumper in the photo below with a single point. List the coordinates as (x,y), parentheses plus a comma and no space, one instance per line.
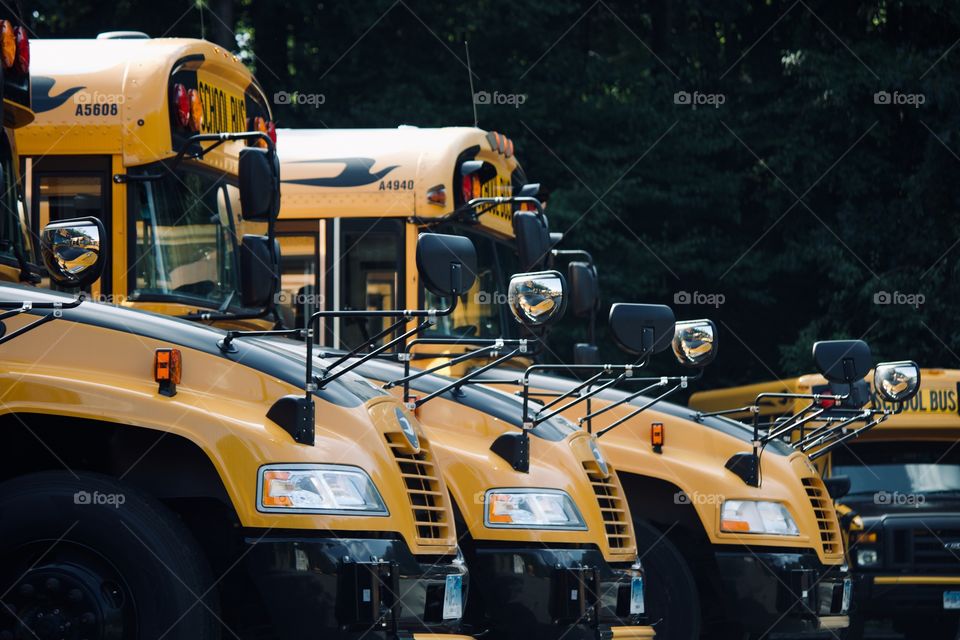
(901,602)
(774,594)
(345,589)
(547,594)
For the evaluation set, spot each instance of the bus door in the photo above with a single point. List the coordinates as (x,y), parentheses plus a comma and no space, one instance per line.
(64,187)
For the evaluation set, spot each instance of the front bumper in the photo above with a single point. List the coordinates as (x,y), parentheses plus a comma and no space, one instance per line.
(775,594)
(345,589)
(904,597)
(546,594)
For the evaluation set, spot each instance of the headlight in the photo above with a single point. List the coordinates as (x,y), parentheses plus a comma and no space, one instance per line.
(867,557)
(531,509)
(317,488)
(754,516)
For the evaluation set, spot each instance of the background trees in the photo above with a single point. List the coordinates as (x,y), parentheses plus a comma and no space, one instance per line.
(800,199)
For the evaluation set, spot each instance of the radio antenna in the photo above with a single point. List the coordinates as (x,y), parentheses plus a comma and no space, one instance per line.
(473,96)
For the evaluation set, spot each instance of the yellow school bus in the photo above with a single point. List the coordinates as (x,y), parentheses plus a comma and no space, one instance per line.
(146,135)
(354,202)
(901,502)
(170,479)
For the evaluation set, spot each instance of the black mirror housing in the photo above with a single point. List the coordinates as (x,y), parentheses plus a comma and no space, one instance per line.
(259,184)
(447,264)
(584,289)
(259,266)
(842,360)
(533,240)
(586,353)
(837,486)
(642,329)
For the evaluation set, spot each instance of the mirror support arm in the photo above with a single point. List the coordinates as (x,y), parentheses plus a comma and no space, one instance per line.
(458,383)
(640,409)
(849,436)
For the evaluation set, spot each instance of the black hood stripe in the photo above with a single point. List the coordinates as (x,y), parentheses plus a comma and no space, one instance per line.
(256,355)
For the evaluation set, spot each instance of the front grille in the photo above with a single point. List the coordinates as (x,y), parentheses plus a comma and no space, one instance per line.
(427,499)
(934,547)
(612,506)
(826,515)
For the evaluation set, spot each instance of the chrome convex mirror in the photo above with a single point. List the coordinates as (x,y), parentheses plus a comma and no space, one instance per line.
(71,251)
(695,342)
(897,381)
(536,299)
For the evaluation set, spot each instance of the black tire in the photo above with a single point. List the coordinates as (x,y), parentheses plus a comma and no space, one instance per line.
(110,562)
(673,603)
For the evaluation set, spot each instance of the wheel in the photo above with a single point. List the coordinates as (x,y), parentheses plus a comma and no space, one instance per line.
(87,557)
(673,604)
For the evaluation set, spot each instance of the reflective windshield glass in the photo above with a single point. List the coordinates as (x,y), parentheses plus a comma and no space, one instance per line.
(905,467)
(185,243)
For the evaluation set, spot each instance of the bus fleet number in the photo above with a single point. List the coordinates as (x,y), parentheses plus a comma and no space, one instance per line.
(98,109)
(396,185)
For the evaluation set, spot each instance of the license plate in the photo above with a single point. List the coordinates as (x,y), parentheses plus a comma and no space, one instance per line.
(636,596)
(453,598)
(847,590)
(951,599)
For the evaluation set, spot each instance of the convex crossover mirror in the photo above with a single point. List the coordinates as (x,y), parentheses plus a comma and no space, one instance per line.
(536,299)
(695,342)
(71,251)
(897,381)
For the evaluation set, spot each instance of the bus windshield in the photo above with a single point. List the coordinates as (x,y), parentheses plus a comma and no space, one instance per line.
(482,312)
(899,467)
(184,244)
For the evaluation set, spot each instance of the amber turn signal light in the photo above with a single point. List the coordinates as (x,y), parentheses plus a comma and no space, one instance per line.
(656,436)
(167,369)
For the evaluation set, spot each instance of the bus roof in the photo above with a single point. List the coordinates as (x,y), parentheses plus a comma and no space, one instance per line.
(936,407)
(389,172)
(111,96)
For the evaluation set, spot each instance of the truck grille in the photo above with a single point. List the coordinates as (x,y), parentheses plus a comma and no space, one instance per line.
(922,543)
(826,515)
(612,506)
(427,499)
(930,547)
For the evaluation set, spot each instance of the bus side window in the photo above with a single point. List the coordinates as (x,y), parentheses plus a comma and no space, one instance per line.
(61,197)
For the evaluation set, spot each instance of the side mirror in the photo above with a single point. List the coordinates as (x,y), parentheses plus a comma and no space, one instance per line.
(259,266)
(536,299)
(842,360)
(642,329)
(533,239)
(897,381)
(447,264)
(695,342)
(586,353)
(584,289)
(71,251)
(529,190)
(259,178)
(837,486)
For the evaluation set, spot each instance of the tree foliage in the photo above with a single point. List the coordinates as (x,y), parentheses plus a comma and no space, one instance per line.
(800,199)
